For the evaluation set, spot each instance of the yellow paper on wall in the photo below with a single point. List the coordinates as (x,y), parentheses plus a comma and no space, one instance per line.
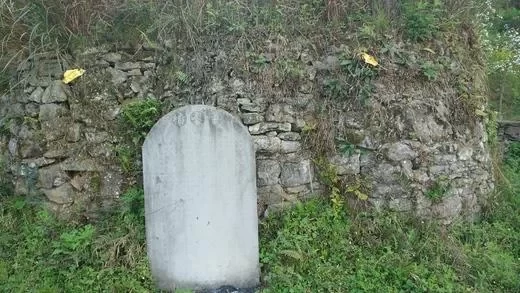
(369,59)
(72,74)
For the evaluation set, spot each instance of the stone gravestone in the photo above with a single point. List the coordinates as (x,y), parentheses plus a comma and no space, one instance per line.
(200,201)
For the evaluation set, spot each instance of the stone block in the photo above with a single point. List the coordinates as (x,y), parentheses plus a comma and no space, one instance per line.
(267,172)
(295,174)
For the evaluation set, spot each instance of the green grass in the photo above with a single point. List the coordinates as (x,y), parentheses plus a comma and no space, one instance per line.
(312,248)
(39,253)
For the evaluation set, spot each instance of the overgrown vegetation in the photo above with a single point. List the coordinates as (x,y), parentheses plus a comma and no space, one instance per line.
(137,118)
(313,248)
(42,254)
(320,245)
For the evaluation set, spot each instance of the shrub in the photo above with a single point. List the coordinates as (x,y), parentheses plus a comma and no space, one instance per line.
(422,20)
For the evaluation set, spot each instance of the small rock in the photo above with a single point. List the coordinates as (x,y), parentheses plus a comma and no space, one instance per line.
(111,114)
(465,154)
(51,111)
(12,146)
(298,125)
(97,137)
(87,165)
(254,107)
(48,175)
(290,146)
(399,151)
(280,113)
(112,57)
(267,144)
(74,133)
(350,165)
(268,172)
(251,118)
(39,162)
(56,92)
(295,174)
(31,150)
(243,101)
(302,189)
(134,72)
(57,154)
(79,182)
(112,184)
(264,127)
(32,110)
(400,204)
(271,194)
(61,195)
(126,66)
(118,76)
(291,136)
(149,66)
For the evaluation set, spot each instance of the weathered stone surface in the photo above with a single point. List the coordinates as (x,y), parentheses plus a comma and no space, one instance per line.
(297,190)
(256,106)
(295,174)
(134,72)
(86,165)
(280,113)
(287,147)
(32,110)
(264,127)
(97,136)
(126,66)
(465,153)
(111,184)
(388,191)
(57,153)
(36,95)
(51,111)
(118,76)
(30,149)
(291,136)
(48,175)
(251,118)
(448,208)
(56,92)
(39,162)
(271,194)
(12,146)
(400,204)
(268,172)
(54,130)
(346,165)
(74,132)
(399,151)
(266,144)
(60,195)
(112,57)
(200,200)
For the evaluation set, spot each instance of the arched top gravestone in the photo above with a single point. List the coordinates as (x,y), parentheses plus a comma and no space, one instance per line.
(200,200)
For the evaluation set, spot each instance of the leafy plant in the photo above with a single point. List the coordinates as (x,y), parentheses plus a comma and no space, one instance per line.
(140,116)
(422,19)
(330,178)
(137,119)
(430,70)
(288,69)
(438,189)
(359,76)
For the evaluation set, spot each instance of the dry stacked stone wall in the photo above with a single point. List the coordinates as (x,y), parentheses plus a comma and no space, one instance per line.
(61,140)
